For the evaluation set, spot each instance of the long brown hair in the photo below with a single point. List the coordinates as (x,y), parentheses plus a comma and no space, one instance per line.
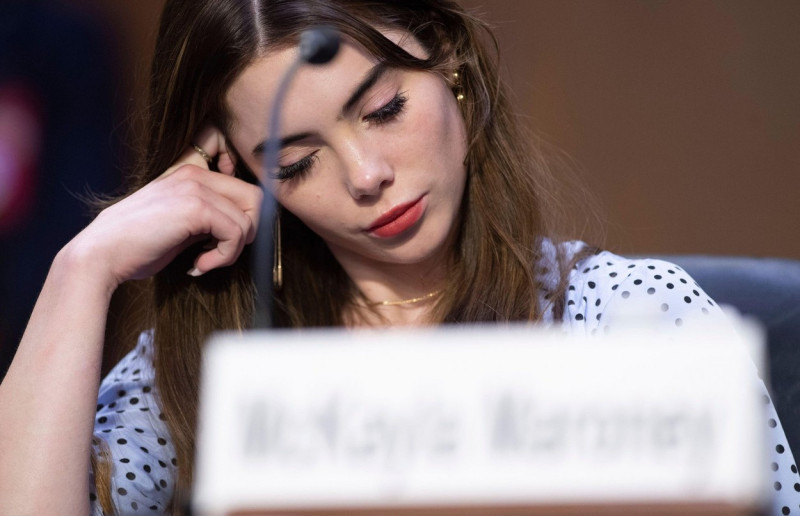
(508,207)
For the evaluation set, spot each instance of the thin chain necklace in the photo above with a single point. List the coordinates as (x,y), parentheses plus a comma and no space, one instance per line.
(410,301)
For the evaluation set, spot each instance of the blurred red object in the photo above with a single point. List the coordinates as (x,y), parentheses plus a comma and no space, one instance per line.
(20,139)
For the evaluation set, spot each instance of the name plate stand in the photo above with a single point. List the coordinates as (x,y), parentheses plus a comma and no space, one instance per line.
(479,420)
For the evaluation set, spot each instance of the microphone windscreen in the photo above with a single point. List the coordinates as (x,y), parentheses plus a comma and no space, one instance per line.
(319,45)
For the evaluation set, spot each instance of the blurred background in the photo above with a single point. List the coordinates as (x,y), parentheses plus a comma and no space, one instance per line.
(683,118)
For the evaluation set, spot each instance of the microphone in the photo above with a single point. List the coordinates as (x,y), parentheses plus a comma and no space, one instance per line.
(318,45)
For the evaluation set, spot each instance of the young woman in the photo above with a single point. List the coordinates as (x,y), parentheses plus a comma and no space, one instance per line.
(409,195)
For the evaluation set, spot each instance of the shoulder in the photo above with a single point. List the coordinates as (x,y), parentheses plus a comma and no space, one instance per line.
(604,288)
(133,374)
(130,428)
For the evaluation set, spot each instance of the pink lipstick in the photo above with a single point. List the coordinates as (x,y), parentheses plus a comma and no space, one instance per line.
(398,219)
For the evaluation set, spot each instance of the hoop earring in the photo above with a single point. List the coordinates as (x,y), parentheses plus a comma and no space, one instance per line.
(277,265)
(457,90)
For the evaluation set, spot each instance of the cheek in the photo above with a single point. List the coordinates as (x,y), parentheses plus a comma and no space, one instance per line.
(440,130)
(440,141)
(317,210)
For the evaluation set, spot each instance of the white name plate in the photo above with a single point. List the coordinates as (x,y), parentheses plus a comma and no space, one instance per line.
(477,417)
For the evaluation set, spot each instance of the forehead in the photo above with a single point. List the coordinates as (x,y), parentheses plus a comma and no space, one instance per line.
(259,81)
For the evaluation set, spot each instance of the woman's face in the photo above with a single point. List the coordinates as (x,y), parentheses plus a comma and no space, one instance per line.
(373,157)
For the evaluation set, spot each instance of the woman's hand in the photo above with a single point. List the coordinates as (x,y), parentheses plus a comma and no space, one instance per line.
(48,397)
(188,203)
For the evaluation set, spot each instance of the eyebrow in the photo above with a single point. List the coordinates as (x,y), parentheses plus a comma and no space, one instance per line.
(258,149)
(369,80)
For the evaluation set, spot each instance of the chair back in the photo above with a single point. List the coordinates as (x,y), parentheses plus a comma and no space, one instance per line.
(769,290)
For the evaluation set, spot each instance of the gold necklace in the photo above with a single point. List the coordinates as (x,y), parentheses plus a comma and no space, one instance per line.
(405,301)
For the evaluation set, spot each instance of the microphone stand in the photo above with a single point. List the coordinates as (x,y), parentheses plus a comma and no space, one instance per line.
(317,46)
(264,245)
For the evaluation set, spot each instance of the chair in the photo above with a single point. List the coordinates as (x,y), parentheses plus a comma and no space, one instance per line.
(769,290)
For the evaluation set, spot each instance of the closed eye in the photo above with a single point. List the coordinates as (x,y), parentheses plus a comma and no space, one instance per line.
(389,111)
(298,168)
(382,115)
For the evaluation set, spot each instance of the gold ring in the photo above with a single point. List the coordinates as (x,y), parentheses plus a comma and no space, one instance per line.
(202,153)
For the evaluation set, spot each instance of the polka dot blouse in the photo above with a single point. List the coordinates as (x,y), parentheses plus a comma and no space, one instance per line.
(129,424)
(603,289)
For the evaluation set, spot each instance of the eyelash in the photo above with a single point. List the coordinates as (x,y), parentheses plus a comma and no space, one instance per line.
(382,115)
(389,111)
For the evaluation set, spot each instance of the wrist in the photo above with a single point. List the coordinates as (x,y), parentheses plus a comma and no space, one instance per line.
(82,260)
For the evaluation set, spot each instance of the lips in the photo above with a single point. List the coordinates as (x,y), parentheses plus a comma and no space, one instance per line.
(398,219)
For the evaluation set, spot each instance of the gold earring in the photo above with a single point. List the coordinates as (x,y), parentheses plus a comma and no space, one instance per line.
(277,266)
(459,93)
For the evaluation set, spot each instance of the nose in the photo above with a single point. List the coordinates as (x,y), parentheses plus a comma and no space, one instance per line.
(367,171)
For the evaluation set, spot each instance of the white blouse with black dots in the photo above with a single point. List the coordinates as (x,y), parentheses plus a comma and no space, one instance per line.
(130,425)
(603,289)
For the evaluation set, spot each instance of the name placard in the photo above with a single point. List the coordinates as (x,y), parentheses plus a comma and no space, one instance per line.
(477,417)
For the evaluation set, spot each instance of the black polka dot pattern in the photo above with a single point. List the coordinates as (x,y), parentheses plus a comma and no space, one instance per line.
(605,288)
(127,424)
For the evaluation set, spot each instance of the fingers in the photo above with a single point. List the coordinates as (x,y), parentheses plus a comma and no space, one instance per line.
(246,197)
(213,144)
(213,204)
(211,140)
(222,207)
(229,235)
(189,157)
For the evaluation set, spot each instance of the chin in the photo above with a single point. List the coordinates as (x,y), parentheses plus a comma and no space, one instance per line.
(422,247)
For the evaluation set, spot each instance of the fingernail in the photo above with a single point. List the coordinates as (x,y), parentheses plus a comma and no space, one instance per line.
(194,271)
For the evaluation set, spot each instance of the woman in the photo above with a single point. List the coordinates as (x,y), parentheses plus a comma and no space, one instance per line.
(408,194)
